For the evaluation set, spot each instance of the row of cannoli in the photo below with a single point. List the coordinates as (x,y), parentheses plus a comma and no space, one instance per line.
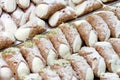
(93,61)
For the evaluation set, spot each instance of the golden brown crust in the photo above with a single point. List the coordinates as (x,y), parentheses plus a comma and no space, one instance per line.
(13,59)
(116,44)
(100,26)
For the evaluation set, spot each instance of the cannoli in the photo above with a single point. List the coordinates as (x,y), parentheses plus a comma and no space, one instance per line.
(33,56)
(17,16)
(64,69)
(87,33)
(44,11)
(110,56)
(6,39)
(72,36)
(49,74)
(8,6)
(33,76)
(16,63)
(100,26)
(59,42)
(4,69)
(8,23)
(95,60)
(47,50)
(113,9)
(112,21)
(109,76)
(30,29)
(115,42)
(63,15)
(23,3)
(87,6)
(81,67)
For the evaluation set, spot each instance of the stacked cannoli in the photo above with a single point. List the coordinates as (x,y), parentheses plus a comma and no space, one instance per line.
(46,47)
(87,33)
(64,69)
(81,67)
(61,16)
(112,60)
(112,22)
(87,6)
(45,10)
(16,62)
(100,26)
(95,60)
(33,56)
(59,42)
(72,36)
(5,71)
(30,29)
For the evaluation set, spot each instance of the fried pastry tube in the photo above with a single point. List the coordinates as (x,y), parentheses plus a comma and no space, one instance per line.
(6,39)
(87,33)
(49,74)
(100,26)
(33,56)
(64,69)
(109,76)
(87,6)
(95,60)
(113,9)
(23,3)
(59,42)
(81,67)
(8,6)
(112,21)
(5,71)
(46,47)
(33,76)
(8,23)
(72,36)
(16,62)
(63,15)
(115,42)
(45,10)
(111,58)
(30,29)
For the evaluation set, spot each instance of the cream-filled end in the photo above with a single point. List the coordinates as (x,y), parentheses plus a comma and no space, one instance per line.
(5,73)
(92,38)
(41,10)
(115,64)
(54,19)
(101,67)
(89,74)
(9,35)
(64,51)
(22,34)
(37,65)
(23,70)
(77,43)
(24,3)
(51,57)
